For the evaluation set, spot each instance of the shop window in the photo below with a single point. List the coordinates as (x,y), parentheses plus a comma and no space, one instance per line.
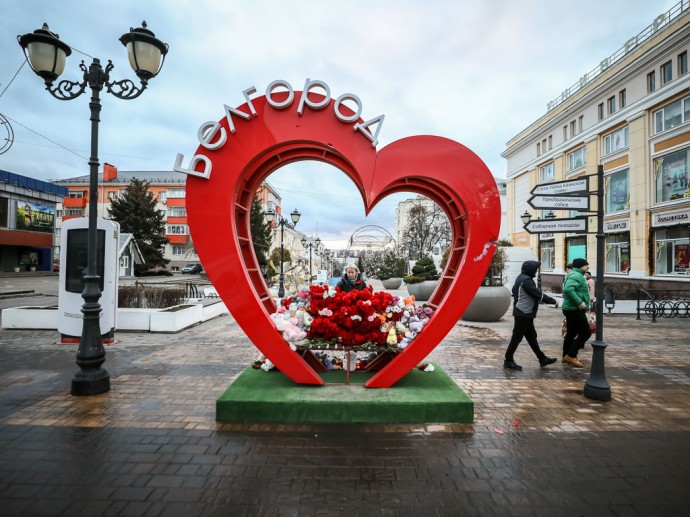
(616,141)
(576,159)
(4,212)
(672,115)
(682,63)
(651,82)
(547,255)
(671,176)
(577,248)
(666,73)
(546,172)
(673,251)
(617,192)
(618,253)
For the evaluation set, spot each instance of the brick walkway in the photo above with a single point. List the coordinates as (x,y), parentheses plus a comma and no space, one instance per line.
(538,447)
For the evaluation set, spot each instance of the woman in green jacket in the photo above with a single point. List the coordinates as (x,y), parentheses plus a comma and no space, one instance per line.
(575,305)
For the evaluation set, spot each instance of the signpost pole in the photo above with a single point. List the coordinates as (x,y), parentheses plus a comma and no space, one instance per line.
(596,386)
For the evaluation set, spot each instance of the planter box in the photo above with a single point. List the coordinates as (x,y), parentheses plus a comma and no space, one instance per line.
(213,310)
(392,283)
(422,291)
(134,319)
(490,303)
(45,318)
(176,318)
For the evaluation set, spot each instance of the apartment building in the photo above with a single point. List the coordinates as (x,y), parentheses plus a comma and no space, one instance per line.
(630,114)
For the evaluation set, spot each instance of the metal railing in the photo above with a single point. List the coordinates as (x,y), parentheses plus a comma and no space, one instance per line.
(663,303)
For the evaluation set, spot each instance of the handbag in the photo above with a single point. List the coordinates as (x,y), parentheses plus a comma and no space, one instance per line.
(592,321)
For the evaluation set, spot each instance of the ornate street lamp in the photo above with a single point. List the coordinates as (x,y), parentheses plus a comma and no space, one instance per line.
(310,245)
(47,56)
(526,218)
(270,217)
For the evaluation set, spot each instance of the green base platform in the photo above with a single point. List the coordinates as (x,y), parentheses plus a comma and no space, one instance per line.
(419,397)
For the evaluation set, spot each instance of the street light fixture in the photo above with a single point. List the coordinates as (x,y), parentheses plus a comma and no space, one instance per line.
(550,215)
(526,217)
(270,217)
(310,245)
(47,56)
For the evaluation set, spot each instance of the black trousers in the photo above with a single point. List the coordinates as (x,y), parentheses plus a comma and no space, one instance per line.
(524,327)
(577,332)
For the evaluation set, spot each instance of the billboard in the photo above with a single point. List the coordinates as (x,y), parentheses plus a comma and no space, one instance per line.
(33,217)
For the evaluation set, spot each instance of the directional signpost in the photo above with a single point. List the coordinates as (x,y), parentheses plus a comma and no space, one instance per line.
(574,195)
(580,203)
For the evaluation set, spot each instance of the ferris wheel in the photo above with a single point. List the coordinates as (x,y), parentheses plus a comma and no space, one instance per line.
(6,134)
(371,237)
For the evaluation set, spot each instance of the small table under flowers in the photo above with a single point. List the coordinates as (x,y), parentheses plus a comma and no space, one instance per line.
(319,318)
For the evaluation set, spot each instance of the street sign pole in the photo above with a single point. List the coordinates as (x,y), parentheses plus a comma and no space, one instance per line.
(596,386)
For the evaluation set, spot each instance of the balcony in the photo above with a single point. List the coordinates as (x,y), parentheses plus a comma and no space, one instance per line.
(74,202)
(177,239)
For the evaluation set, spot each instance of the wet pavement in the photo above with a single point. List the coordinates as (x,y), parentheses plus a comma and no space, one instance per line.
(537,446)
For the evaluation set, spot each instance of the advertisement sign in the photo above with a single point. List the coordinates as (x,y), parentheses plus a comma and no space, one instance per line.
(681,258)
(33,217)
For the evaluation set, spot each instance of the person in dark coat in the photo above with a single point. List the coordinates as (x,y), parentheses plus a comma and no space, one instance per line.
(351,280)
(526,299)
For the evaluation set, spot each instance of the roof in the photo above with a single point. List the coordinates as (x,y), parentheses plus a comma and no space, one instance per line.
(31,183)
(127,240)
(125,177)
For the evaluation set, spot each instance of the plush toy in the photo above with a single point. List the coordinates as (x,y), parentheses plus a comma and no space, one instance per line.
(392,338)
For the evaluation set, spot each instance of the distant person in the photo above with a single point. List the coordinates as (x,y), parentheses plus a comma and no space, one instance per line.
(568,270)
(526,299)
(575,305)
(591,287)
(351,280)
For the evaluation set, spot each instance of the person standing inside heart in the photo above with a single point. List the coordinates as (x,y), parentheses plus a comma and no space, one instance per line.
(526,299)
(351,280)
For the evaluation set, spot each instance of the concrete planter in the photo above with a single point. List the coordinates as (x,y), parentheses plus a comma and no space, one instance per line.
(392,283)
(174,319)
(489,304)
(45,318)
(422,291)
(133,319)
(213,310)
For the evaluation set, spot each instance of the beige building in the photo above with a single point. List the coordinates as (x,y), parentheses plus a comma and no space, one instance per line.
(630,114)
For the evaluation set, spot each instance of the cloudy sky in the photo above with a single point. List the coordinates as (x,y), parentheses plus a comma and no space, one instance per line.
(476,71)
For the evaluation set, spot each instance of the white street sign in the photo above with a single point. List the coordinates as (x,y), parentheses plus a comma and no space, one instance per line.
(560,202)
(574,225)
(578,186)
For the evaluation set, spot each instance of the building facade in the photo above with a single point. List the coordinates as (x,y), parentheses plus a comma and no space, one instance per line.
(28,211)
(630,114)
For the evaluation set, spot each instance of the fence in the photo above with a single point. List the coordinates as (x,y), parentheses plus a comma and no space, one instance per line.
(664,303)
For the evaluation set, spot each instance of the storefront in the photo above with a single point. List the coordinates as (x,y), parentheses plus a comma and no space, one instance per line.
(547,251)
(617,246)
(672,243)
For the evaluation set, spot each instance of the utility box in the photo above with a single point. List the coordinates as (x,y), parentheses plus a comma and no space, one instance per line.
(73,266)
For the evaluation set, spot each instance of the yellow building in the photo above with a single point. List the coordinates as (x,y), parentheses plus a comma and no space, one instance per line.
(630,114)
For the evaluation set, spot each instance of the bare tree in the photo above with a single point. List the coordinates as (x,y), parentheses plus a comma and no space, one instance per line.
(427,226)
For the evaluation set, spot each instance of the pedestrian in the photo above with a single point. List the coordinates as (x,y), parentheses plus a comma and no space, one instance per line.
(592,295)
(526,299)
(575,306)
(351,280)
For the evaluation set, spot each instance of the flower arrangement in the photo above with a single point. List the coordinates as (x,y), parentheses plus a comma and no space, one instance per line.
(320,315)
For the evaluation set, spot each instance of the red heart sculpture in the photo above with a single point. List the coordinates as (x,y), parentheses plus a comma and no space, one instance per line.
(218,208)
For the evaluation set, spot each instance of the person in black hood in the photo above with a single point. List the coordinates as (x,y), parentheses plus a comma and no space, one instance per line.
(526,299)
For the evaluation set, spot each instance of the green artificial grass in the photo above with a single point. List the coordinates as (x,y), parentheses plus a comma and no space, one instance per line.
(419,397)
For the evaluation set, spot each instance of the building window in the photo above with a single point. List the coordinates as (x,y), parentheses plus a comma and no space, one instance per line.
(617,192)
(622,101)
(600,111)
(672,115)
(547,252)
(666,73)
(565,133)
(550,142)
(682,63)
(546,172)
(76,193)
(572,129)
(618,253)
(576,248)
(162,197)
(177,229)
(538,149)
(176,193)
(651,82)
(124,263)
(177,211)
(672,251)
(58,213)
(616,141)
(611,104)
(576,159)
(178,250)
(112,195)
(74,212)
(580,123)
(57,232)
(671,176)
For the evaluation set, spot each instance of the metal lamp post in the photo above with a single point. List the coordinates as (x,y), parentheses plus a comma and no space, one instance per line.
(270,217)
(47,56)
(310,245)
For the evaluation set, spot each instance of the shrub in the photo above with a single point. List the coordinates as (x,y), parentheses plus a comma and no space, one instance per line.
(495,273)
(143,297)
(424,269)
(392,267)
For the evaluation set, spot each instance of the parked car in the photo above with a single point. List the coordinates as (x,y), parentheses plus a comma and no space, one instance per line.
(56,268)
(192,268)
